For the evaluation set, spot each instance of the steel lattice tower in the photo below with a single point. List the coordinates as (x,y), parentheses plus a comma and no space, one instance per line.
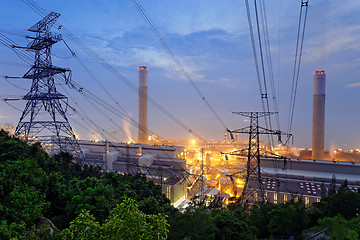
(44,117)
(253,172)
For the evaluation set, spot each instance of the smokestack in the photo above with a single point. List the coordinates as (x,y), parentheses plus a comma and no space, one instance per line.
(143,106)
(318,116)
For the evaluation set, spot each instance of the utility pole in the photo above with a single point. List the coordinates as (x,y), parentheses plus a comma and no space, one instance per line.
(44,117)
(253,171)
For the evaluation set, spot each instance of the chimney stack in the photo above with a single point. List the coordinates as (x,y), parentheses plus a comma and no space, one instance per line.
(143,106)
(318,133)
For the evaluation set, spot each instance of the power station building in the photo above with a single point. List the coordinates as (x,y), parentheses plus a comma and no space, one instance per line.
(164,165)
(306,179)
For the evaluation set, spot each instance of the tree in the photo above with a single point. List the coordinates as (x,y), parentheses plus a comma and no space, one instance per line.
(345,203)
(126,222)
(288,219)
(260,218)
(196,224)
(340,228)
(84,227)
(232,225)
(344,186)
(34,185)
(332,189)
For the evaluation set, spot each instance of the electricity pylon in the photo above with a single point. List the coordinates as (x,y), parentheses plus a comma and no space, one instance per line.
(44,117)
(253,172)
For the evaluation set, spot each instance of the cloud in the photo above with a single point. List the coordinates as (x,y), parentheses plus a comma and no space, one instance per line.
(334,40)
(357,84)
(196,55)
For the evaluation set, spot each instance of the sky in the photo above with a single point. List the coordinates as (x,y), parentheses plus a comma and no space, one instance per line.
(211,40)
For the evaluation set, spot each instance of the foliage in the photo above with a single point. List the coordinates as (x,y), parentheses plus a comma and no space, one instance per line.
(260,219)
(284,219)
(197,224)
(84,227)
(332,187)
(340,228)
(232,225)
(33,184)
(13,230)
(346,203)
(203,223)
(288,219)
(125,222)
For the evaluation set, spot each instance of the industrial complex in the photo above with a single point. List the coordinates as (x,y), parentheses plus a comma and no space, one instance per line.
(189,168)
(225,170)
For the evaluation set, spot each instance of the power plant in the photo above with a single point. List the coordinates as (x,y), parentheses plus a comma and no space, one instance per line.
(318,133)
(214,170)
(143,106)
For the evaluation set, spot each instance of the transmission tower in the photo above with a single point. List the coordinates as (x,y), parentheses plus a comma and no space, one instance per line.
(253,172)
(44,117)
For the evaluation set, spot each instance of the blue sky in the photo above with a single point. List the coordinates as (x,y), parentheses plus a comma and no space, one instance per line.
(212,41)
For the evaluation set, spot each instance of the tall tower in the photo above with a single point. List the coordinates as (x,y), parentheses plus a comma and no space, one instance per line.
(44,117)
(143,105)
(318,133)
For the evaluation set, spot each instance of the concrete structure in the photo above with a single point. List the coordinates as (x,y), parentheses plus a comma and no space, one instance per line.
(143,134)
(307,179)
(162,164)
(318,133)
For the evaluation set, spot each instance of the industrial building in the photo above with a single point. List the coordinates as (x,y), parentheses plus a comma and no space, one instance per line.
(164,165)
(307,179)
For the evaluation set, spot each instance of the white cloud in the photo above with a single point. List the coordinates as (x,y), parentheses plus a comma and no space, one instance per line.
(357,84)
(336,39)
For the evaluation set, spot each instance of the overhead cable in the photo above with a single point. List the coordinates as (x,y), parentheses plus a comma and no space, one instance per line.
(297,60)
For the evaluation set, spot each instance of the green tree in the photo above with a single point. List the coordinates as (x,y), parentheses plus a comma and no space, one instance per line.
(196,224)
(340,228)
(345,203)
(332,188)
(34,185)
(125,222)
(288,219)
(260,218)
(232,225)
(13,230)
(84,227)
(344,186)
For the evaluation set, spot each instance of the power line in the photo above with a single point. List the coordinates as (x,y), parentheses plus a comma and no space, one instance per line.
(269,62)
(176,60)
(108,67)
(297,61)
(263,90)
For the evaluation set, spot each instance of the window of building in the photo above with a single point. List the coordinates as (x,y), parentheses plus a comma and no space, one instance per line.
(168,191)
(307,201)
(318,199)
(285,198)
(275,198)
